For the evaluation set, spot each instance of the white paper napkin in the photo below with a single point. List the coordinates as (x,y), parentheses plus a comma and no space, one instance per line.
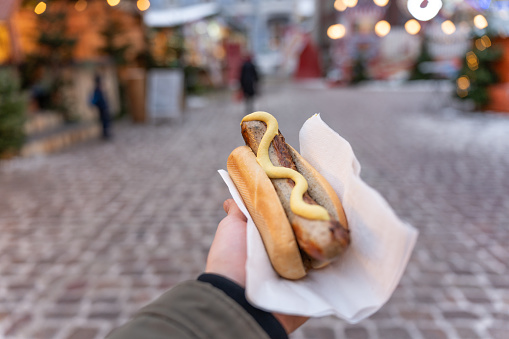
(363,279)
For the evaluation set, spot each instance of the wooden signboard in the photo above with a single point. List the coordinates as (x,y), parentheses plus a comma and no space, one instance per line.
(165,93)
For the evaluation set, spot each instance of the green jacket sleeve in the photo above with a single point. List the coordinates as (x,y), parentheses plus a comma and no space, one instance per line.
(193,309)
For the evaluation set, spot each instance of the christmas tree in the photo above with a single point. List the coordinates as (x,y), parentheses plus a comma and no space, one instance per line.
(12,114)
(477,72)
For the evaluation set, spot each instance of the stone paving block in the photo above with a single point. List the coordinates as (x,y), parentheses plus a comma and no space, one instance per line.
(356,332)
(83,333)
(466,332)
(394,332)
(498,333)
(432,333)
(319,333)
(45,332)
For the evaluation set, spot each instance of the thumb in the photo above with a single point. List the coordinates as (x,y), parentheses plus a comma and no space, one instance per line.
(233,210)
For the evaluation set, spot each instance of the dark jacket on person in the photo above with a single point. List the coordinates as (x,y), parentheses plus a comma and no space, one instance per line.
(210,307)
(98,99)
(248,78)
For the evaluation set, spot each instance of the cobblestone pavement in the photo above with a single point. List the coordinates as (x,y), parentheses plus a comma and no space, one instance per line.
(92,234)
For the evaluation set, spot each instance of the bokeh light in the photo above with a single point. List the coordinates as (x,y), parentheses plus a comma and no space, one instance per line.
(336,31)
(472,61)
(214,30)
(40,8)
(381,3)
(81,5)
(463,82)
(448,27)
(350,3)
(486,41)
(483,43)
(479,45)
(480,21)
(143,5)
(339,5)
(113,2)
(382,28)
(412,26)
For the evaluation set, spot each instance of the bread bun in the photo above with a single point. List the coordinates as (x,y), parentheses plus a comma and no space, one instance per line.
(267,212)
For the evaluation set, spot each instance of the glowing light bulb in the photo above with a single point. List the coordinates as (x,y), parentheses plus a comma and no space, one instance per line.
(463,82)
(80,5)
(350,3)
(336,31)
(448,27)
(472,61)
(40,8)
(412,26)
(339,5)
(113,3)
(486,41)
(382,28)
(480,21)
(143,5)
(480,45)
(381,3)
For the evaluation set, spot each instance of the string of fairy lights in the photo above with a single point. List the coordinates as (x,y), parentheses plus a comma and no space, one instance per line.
(81,5)
(421,10)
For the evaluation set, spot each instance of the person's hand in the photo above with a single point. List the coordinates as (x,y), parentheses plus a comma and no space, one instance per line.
(228,253)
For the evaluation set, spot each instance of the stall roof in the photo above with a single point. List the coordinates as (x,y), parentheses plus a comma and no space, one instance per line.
(179,15)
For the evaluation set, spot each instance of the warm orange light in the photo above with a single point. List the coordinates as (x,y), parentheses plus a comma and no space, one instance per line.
(350,3)
(486,41)
(462,93)
(448,27)
(471,57)
(412,26)
(40,8)
(463,82)
(81,5)
(339,5)
(480,45)
(472,61)
(381,3)
(113,2)
(336,31)
(143,5)
(382,28)
(480,21)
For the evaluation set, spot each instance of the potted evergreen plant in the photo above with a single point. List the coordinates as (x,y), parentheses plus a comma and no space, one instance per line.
(12,114)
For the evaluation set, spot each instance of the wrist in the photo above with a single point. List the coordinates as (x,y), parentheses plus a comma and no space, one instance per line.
(290,322)
(268,321)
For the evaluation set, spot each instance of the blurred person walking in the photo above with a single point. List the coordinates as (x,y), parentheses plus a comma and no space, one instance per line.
(249,82)
(99,100)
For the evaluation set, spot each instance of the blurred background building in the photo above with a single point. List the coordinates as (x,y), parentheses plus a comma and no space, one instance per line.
(56,47)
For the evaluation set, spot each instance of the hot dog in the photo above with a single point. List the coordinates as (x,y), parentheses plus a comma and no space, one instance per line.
(299,216)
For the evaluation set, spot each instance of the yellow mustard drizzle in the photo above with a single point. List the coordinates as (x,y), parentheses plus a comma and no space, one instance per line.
(297,204)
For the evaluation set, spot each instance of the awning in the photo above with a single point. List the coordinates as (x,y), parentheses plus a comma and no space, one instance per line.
(179,15)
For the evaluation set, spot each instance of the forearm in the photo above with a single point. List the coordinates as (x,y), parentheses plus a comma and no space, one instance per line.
(212,307)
